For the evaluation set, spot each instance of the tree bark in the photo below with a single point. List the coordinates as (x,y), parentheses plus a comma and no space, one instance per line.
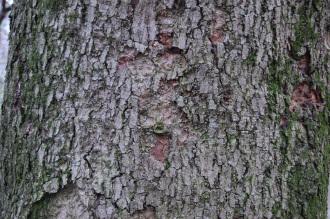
(166,109)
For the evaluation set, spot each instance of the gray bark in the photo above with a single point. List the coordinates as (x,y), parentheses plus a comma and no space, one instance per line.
(166,109)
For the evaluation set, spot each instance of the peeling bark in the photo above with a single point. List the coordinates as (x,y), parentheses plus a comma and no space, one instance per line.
(166,109)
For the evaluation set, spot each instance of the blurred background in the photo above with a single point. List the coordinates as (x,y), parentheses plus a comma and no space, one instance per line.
(4,31)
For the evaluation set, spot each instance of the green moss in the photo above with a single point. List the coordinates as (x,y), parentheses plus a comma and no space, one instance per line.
(167,164)
(33,61)
(305,197)
(317,4)
(205,196)
(69,33)
(52,5)
(39,208)
(68,68)
(308,158)
(118,155)
(280,75)
(232,140)
(276,208)
(308,183)
(251,58)
(73,16)
(205,136)
(304,30)
(159,128)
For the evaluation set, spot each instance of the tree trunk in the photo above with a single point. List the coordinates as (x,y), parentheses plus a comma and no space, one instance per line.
(166,109)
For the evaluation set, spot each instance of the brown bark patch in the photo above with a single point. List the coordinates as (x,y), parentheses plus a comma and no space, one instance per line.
(160,150)
(126,57)
(283,122)
(304,96)
(217,37)
(173,82)
(304,63)
(124,60)
(148,213)
(167,87)
(167,60)
(217,27)
(165,39)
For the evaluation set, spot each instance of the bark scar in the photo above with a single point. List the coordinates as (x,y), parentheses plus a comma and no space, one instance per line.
(304,96)
(160,150)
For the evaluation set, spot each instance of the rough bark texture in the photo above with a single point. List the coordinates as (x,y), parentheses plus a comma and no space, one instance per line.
(166,109)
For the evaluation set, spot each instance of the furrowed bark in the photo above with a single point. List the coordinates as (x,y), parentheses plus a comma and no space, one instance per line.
(166,109)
